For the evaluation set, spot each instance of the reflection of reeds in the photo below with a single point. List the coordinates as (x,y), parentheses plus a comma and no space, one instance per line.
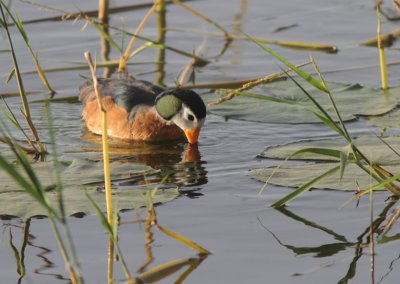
(32,186)
(371,237)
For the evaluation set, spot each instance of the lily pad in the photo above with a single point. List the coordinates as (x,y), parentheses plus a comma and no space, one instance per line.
(77,177)
(351,100)
(297,175)
(371,146)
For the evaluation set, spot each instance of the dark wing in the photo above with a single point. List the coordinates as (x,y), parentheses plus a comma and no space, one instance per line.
(127,93)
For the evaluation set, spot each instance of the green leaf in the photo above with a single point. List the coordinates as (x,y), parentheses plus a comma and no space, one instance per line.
(106,35)
(102,217)
(344,156)
(21,29)
(10,75)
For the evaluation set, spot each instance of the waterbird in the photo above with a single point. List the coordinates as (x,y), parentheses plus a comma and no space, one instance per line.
(141,111)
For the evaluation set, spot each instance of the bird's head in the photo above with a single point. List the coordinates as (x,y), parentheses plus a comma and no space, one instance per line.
(185,108)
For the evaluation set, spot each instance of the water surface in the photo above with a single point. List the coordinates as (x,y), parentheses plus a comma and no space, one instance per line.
(310,241)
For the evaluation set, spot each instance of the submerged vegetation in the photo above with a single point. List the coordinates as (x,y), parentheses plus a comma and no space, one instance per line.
(39,181)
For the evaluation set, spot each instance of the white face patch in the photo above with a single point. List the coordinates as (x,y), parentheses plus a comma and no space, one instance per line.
(186,119)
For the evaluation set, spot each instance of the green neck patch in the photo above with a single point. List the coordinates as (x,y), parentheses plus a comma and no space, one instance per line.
(168,105)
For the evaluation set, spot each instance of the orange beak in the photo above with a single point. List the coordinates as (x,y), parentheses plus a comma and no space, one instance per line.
(192,135)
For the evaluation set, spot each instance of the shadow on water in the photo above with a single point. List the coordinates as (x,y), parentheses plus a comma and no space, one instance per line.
(360,247)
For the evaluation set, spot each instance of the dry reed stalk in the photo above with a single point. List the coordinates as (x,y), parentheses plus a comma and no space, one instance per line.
(186,72)
(106,161)
(382,58)
(103,11)
(161,31)
(125,56)
(107,179)
(252,84)
(328,48)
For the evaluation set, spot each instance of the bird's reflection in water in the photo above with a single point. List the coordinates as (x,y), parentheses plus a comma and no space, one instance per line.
(178,163)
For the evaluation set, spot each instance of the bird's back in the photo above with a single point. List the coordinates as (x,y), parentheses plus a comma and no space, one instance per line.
(130,112)
(127,93)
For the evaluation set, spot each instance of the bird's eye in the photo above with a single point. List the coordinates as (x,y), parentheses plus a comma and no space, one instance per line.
(190,117)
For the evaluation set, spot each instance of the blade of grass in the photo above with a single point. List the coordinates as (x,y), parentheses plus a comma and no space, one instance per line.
(322,151)
(310,79)
(105,34)
(24,100)
(202,16)
(11,117)
(307,186)
(10,75)
(344,157)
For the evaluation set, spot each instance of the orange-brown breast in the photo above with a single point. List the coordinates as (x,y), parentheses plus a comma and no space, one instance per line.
(146,125)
